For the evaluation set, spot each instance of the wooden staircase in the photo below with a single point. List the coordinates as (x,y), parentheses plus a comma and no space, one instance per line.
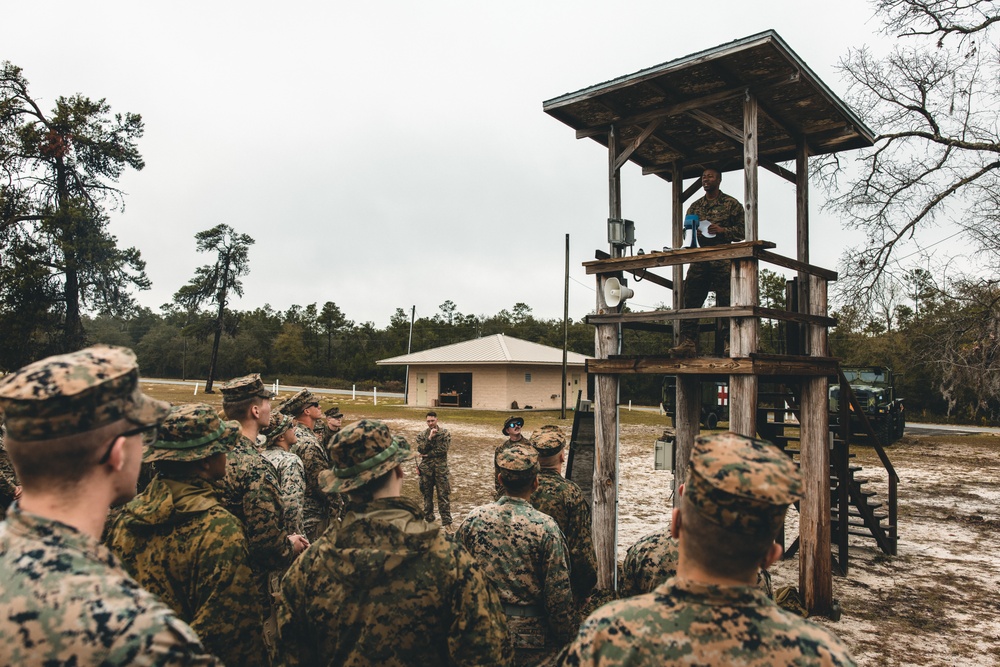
(865,511)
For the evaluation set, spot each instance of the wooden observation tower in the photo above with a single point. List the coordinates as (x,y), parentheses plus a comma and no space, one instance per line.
(744,105)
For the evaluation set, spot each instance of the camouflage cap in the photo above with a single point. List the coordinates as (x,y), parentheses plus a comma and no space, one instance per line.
(297,402)
(741,483)
(334,412)
(361,452)
(548,440)
(75,393)
(191,432)
(242,388)
(517,462)
(279,424)
(511,421)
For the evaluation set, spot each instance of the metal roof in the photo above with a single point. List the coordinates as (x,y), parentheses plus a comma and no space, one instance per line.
(495,349)
(691,109)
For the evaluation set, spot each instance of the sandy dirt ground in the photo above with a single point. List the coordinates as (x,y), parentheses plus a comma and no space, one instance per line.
(936,603)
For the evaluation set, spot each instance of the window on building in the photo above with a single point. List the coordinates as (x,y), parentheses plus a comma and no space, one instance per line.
(527,377)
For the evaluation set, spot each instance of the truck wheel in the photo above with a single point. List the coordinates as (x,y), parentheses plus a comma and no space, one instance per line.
(885,431)
(711,421)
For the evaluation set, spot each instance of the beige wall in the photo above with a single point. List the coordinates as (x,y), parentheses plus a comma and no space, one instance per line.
(495,387)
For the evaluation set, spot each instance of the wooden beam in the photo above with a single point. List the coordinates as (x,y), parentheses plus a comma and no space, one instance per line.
(740,250)
(758,364)
(687,105)
(750,158)
(635,143)
(665,112)
(778,169)
(743,341)
(757,312)
(719,126)
(789,263)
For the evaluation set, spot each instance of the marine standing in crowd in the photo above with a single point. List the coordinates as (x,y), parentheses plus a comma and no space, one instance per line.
(387,587)
(180,543)
(728,225)
(648,563)
(432,467)
(731,509)
(563,500)
(76,425)
(512,429)
(328,427)
(9,490)
(280,437)
(525,556)
(303,407)
(250,487)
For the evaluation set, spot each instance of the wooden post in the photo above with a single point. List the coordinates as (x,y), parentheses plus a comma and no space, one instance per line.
(744,336)
(743,341)
(815,570)
(750,161)
(687,396)
(607,343)
(802,229)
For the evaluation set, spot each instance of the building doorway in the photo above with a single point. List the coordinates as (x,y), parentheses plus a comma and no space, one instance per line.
(455,389)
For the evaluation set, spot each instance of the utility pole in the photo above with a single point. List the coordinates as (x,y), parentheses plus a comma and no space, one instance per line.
(562,414)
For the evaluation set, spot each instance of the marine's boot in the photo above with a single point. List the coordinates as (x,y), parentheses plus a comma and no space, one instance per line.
(686,348)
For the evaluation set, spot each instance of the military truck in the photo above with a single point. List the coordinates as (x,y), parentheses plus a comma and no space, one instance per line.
(874,388)
(714,401)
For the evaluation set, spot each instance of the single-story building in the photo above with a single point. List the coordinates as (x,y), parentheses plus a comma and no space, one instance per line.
(492,373)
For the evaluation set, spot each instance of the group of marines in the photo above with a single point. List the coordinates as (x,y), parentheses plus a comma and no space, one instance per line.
(215,561)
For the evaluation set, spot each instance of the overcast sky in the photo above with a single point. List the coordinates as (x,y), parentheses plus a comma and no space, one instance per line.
(386,154)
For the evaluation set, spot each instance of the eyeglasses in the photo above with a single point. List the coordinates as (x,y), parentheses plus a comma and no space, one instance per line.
(514,425)
(148,434)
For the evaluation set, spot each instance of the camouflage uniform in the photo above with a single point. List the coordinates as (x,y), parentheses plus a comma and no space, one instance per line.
(250,493)
(178,541)
(388,587)
(525,556)
(8,478)
(648,563)
(744,487)
(523,440)
(291,486)
(65,598)
(316,511)
(86,611)
(433,470)
(653,559)
(563,500)
(323,432)
(703,277)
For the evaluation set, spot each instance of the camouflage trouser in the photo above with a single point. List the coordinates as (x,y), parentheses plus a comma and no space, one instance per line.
(434,475)
(315,518)
(702,278)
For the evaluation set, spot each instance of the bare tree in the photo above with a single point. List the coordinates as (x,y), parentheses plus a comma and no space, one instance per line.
(214,282)
(935,102)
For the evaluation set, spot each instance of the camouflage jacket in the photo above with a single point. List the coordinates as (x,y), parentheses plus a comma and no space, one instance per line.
(315,460)
(684,622)
(8,479)
(563,500)
(436,448)
(250,493)
(67,601)
(291,486)
(178,541)
(724,211)
(524,554)
(389,588)
(648,563)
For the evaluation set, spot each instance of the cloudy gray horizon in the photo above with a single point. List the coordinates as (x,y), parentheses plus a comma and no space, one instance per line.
(386,155)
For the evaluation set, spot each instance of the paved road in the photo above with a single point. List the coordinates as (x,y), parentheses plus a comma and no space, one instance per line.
(285,388)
